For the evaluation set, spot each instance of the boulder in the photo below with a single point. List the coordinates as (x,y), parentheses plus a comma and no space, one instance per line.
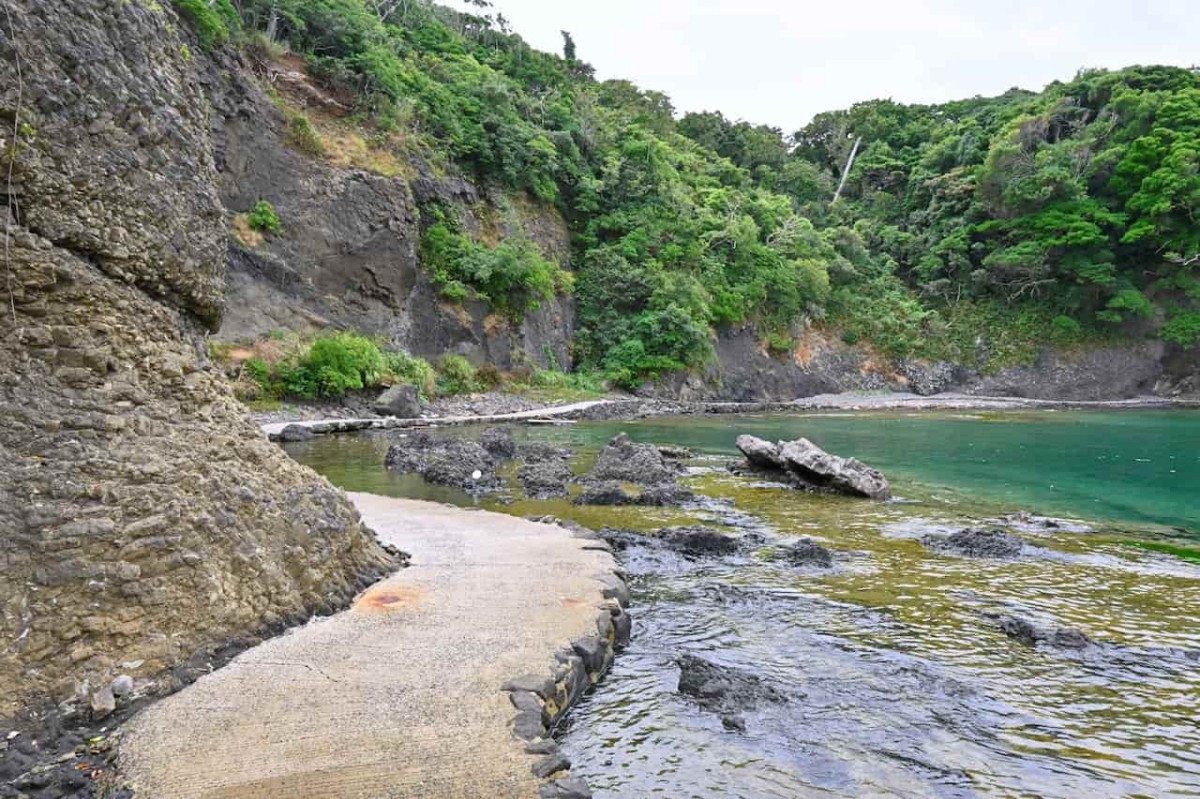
(400,400)
(624,461)
(295,432)
(976,542)
(809,466)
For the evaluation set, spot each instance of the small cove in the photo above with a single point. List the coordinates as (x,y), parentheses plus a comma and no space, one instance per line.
(899,683)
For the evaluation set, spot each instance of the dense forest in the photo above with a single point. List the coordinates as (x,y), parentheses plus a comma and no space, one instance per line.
(972,231)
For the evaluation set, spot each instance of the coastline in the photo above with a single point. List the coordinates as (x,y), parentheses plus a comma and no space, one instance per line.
(309,418)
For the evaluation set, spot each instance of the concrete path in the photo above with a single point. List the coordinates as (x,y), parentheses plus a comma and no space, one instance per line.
(397,697)
(383,422)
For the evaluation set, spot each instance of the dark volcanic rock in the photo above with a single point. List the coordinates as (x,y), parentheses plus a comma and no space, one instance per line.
(450,462)
(624,461)
(723,689)
(805,464)
(537,451)
(698,541)
(613,493)
(499,442)
(807,552)
(401,401)
(295,432)
(975,542)
(545,479)
(1027,632)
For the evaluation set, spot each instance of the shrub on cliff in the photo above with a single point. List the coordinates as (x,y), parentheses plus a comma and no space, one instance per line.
(456,375)
(344,362)
(264,219)
(214,22)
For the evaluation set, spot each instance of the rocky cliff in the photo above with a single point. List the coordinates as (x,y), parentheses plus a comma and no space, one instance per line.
(348,255)
(141,515)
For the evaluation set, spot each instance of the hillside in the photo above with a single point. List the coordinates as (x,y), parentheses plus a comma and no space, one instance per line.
(973,233)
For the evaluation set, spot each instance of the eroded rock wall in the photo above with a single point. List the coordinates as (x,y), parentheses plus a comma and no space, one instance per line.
(349,253)
(141,514)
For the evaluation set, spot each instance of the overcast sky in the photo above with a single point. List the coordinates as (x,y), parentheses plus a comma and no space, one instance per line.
(781,62)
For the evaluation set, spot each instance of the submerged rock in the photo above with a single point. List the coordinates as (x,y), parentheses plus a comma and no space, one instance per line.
(451,462)
(723,689)
(400,400)
(976,542)
(805,464)
(1032,634)
(807,552)
(499,442)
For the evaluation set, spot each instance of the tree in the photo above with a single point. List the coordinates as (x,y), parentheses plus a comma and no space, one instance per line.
(568,46)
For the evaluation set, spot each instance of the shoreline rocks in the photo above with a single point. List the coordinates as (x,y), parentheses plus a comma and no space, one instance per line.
(451,462)
(806,465)
(976,542)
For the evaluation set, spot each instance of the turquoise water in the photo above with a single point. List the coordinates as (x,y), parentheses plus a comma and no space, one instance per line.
(899,681)
(1130,466)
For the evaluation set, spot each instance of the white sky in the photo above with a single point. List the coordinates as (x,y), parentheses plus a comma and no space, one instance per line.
(780,62)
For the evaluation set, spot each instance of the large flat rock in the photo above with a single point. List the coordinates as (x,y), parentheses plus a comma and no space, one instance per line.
(398,696)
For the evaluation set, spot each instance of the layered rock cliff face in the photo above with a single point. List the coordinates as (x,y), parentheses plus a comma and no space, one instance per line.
(823,364)
(349,253)
(141,515)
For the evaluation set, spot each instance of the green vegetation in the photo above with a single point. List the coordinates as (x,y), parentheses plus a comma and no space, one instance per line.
(974,230)
(513,277)
(264,219)
(1184,553)
(215,22)
(328,366)
(456,375)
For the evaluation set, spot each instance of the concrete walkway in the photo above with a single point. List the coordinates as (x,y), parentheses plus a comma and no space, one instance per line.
(383,422)
(397,697)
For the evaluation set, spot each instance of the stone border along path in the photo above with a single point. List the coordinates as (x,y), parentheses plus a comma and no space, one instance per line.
(441,681)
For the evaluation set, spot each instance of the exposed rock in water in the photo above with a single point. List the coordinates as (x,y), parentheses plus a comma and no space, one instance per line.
(613,493)
(452,461)
(807,552)
(624,461)
(295,432)
(976,542)
(724,690)
(546,479)
(692,541)
(401,401)
(698,541)
(162,513)
(537,451)
(622,464)
(499,442)
(1031,634)
(805,464)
